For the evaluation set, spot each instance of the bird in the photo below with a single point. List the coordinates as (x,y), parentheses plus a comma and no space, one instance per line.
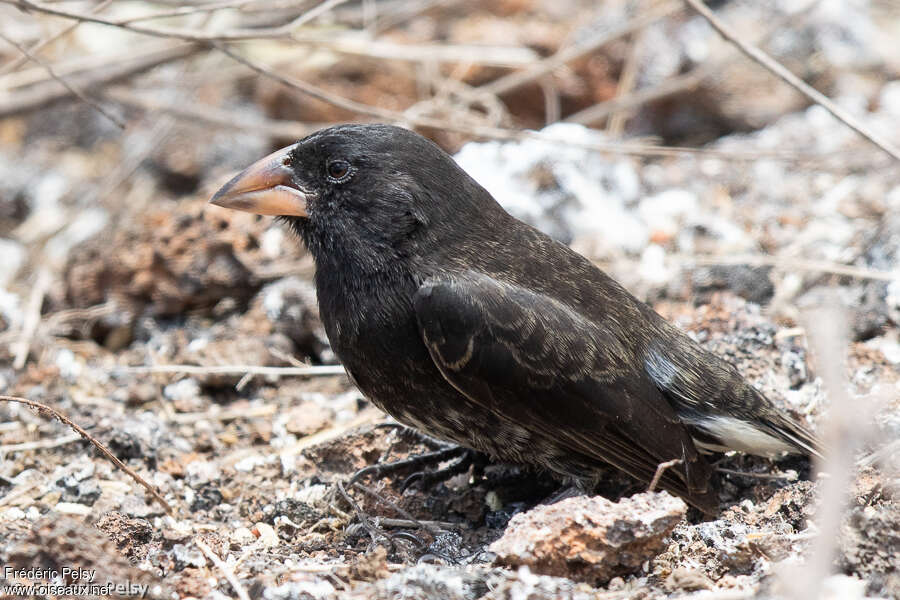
(471,326)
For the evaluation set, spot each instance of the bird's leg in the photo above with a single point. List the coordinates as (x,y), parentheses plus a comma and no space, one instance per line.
(466,458)
(414,462)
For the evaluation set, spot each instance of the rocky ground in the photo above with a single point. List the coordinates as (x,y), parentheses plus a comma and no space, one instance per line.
(113,268)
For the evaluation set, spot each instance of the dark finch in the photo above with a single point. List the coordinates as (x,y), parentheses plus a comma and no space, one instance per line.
(462,321)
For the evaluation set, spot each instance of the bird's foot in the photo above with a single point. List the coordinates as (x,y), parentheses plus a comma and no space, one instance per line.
(462,458)
(465,459)
(418,461)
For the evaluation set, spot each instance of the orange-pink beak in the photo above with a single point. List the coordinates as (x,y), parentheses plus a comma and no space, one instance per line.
(265,188)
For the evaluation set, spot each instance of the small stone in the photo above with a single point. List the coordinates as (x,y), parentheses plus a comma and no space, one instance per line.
(12,514)
(590,539)
(201,472)
(242,536)
(187,556)
(308,418)
(688,580)
(266,534)
(71,508)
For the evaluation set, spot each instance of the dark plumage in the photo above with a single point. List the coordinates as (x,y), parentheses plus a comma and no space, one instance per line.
(462,321)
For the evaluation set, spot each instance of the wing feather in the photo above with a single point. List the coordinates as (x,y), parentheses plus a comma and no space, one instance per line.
(536,363)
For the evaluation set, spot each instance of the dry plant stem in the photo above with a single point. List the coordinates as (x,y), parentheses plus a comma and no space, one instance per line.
(80,64)
(843,432)
(47,411)
(41,95)
(675,85)
(32,318)
(436,526)
(792,264)
(777,476)
(312,371)
(566,55)
(39,445)
(396,508)
(287,32)
(38,46)
(763,59)
(310,89)
(615,125)
(372,529)
(660,469)
(501,133)
(75,91)
(230,577)
(187,10)
(631,100)
(166,32)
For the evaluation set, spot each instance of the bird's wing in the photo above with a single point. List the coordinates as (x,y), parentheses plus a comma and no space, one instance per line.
(535,363)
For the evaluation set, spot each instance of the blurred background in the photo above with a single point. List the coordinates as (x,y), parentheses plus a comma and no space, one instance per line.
(627,128)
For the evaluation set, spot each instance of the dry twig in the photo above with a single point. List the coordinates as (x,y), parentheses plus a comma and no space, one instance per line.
(48,411)
(41,44)
(793,264)
(38,96)
(763,59)
(660,469)
(310,371)
(39,445)
(74,90)
(230,577)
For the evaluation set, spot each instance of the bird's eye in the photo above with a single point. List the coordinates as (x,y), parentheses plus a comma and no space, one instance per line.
(338,169)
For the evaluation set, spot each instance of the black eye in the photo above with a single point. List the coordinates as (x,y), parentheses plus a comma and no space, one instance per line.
(338,169)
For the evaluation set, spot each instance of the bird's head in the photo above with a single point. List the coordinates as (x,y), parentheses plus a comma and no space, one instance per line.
(362,196)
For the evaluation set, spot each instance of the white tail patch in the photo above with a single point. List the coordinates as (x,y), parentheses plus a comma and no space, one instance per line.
(737,434)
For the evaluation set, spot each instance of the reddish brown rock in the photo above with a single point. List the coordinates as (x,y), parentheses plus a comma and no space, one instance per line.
(590,538)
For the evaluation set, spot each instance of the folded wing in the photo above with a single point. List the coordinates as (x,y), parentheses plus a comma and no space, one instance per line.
(535,363)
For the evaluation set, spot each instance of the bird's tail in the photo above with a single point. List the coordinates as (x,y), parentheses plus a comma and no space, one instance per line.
(804,441)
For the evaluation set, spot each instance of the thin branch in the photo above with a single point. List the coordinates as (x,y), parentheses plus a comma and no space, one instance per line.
(230,577)
(186,10)
(48,411)
(72,89)
(660,469)
(763,59)
(681,83)
(309,89)
(41,95)
(788,476)
(501,133)
(288,32)
(32,318)
(165,32)
(197,112)
(393,505)
(311,371)
(41,44)
(566,55)
(39,445)
(793,264)
(631,100)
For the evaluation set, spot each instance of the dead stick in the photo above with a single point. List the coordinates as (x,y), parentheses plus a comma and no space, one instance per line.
(230,577)
(38,46)
(73,89)
(763,59)
(42,95)
(47,411)
(660,469)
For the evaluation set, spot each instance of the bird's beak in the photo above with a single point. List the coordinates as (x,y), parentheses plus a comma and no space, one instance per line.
(266,188)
